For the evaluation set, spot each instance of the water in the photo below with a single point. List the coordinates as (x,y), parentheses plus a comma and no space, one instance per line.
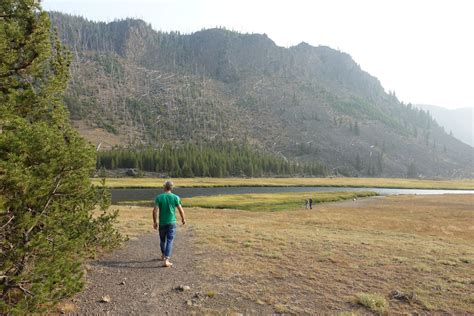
(119,195)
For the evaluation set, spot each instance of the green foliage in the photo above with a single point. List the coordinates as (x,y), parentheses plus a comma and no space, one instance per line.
(219,159)
(46,226)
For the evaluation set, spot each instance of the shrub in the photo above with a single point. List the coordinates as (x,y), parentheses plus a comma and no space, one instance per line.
(374,302)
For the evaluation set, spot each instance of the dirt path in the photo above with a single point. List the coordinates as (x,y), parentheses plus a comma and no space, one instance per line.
(136,282)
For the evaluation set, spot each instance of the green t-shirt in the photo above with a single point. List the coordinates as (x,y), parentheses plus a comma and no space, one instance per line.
(167,203)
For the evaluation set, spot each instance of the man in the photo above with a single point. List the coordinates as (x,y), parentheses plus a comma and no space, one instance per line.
(167,203)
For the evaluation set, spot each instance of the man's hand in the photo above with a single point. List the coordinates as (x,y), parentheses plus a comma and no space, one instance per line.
(155,226)
(181,213)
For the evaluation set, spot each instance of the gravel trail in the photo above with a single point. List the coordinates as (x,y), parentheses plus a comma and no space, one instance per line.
(135,281)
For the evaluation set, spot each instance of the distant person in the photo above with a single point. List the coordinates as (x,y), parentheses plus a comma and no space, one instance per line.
(310,203)
(306,202)
(167,203)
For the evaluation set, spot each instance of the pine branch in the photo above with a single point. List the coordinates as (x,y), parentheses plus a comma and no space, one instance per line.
(51,195)
(25,290)
(22,66)
(11,218)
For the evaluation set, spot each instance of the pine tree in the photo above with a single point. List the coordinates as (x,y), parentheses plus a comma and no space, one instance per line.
(412,171)
(356,129)
(46,199)
(358,163)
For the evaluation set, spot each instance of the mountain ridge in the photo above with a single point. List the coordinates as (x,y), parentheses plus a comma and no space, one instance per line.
(459,121)
(142,87)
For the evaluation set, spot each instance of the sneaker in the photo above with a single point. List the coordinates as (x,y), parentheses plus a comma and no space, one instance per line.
(167,263)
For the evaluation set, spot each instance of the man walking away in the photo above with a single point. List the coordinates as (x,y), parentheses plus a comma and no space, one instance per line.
(167,203)
(310,203)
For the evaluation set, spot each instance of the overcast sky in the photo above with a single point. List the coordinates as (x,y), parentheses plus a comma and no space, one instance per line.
(421,49)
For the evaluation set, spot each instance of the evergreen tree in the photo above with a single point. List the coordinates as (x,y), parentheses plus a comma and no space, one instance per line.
(46,199)
(412,171)
(358,163)
(356,129)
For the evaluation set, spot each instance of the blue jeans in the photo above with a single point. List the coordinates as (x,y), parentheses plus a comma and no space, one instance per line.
(167,233)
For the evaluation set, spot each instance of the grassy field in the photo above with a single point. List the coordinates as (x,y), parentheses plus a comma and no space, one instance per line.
(270,202)
(467,184)
(262,201)
(397,254)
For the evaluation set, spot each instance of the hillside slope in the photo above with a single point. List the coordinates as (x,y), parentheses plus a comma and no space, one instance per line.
(132,85)
(458,121)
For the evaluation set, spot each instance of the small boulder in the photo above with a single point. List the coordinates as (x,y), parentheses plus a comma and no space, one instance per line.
(105,299)
(183,288)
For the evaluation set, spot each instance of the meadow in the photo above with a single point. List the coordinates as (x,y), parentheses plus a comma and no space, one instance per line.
(396,254)
(466,184)
(263,201)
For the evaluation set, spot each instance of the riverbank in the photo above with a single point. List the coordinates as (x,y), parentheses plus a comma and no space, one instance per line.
(464,184)
(396,254)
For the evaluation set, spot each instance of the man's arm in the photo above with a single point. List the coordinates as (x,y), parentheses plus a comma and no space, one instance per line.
(181,213)
(155,224)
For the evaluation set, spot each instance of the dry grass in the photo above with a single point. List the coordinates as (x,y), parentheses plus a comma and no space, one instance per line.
(305,261)
(467,184)
(374,302)
(134,220)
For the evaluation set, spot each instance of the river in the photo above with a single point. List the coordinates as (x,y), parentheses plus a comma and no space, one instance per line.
(120,195)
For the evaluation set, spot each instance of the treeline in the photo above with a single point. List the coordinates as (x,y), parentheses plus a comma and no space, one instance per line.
(205,160)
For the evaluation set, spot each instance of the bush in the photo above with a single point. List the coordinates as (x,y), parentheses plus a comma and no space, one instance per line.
(374,302)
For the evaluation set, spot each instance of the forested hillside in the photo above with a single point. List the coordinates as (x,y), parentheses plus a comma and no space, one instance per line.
(459,122)
(133,86)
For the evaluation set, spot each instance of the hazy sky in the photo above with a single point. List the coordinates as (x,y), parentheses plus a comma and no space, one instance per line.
(421,49)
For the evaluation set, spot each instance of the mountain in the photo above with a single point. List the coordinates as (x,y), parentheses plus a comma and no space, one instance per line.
(134,86)
(458,121)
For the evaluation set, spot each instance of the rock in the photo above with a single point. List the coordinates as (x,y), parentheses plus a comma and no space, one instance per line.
(189,303)
(131,173)
(399,295)
(105,299)
(122,283)
(183,288)
(260,302)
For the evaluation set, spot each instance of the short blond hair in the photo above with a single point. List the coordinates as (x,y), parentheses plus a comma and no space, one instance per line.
(168,185)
